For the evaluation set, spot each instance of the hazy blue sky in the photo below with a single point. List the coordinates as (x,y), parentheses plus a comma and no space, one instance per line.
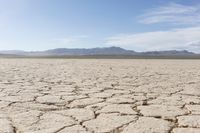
(140,25)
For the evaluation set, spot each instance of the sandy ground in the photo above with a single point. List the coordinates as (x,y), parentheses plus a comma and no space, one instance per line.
(99,96)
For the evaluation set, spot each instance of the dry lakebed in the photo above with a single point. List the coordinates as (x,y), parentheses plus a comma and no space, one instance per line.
(99,96)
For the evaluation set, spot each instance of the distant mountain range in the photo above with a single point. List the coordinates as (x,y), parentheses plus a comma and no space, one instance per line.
(95,51)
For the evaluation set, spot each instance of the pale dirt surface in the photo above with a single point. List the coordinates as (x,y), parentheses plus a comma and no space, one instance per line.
(99,96)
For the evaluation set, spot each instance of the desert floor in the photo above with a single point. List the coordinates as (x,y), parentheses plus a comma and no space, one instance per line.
(104,95)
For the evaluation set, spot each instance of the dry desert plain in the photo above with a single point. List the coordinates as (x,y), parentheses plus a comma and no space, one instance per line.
(99,96)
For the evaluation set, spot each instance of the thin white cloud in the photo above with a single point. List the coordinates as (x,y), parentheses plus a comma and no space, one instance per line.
(70,40)
(184,38)
(172,13)
(65,40)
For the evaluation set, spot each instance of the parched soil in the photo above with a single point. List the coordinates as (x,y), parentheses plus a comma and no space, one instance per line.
(99,96)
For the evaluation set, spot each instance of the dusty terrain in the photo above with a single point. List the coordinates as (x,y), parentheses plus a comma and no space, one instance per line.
(89,96)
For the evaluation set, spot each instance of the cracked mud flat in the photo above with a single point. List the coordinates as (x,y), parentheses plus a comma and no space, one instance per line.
(99,96)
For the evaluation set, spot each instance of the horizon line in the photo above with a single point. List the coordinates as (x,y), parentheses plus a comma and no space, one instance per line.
(98,48)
